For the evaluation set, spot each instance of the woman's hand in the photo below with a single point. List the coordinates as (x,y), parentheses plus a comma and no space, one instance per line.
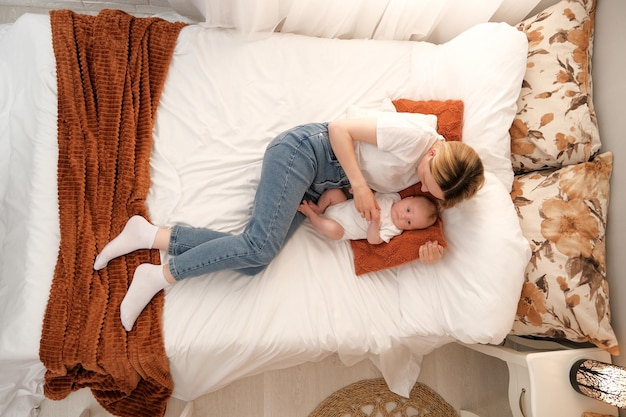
(366,203)
(343,134)
(430,252)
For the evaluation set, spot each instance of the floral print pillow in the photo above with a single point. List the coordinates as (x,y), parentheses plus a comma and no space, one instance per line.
(563,213)
(555,123)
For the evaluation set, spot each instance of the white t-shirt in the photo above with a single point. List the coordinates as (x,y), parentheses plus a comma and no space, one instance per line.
(403,138)
(355,226)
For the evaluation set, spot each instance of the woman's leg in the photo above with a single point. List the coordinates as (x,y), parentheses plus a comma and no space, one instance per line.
(141,234)
(297,221)
(149,279)
(296,163)
(289,169)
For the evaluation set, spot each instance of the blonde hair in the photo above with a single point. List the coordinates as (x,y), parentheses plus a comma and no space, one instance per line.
(458,170)
(431,209)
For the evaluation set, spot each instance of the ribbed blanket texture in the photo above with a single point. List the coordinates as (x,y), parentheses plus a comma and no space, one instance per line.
(110,73)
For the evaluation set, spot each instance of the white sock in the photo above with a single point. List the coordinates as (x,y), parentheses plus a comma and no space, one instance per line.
(137,234)
(147,281)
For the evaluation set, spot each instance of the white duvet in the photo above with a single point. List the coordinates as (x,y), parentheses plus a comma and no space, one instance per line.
(223,101)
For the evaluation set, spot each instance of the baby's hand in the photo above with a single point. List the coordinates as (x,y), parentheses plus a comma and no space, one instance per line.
(430,252)
(373,232)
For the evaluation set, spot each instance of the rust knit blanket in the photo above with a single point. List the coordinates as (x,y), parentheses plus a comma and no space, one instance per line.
(110,72)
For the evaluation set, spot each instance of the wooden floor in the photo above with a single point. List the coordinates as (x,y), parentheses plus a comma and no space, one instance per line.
(466,379)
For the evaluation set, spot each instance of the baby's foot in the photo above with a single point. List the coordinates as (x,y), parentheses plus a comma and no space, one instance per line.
(309,208)
(305,209)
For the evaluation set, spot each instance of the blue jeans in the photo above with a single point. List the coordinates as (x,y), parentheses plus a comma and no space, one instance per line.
(298,164)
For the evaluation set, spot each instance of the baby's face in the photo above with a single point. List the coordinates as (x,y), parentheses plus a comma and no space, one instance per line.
(411,214)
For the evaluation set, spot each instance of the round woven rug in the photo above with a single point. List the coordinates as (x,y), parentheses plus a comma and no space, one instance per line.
(372,398)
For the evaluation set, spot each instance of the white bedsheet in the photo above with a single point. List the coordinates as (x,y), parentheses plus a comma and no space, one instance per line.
(223,101)
(29,234)
(309,303)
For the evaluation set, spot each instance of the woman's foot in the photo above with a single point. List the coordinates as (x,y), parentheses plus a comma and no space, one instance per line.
(147,281)
(137,234)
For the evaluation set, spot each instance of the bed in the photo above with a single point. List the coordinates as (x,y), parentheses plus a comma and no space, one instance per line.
(225,96)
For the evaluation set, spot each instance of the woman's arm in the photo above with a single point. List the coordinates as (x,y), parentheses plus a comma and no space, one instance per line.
(343,134)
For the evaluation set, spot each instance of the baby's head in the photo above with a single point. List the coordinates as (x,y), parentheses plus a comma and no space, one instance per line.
(413,213)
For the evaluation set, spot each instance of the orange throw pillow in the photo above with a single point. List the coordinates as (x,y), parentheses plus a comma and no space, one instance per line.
(405,247)
(449,114)
(400,249)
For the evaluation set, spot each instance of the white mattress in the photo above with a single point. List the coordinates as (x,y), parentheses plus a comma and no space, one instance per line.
(223,101)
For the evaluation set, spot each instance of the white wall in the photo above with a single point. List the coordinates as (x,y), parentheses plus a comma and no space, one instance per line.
(609,81)
(10,10)
(609,93)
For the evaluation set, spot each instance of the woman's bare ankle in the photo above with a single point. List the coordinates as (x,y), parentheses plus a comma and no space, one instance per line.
(162,238)
(168,275)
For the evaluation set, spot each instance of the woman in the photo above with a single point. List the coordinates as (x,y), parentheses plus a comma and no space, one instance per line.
(386,154)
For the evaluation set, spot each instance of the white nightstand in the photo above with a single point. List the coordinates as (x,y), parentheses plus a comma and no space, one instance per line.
(539,384)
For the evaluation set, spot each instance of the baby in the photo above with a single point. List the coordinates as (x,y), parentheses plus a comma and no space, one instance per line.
(337,218)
